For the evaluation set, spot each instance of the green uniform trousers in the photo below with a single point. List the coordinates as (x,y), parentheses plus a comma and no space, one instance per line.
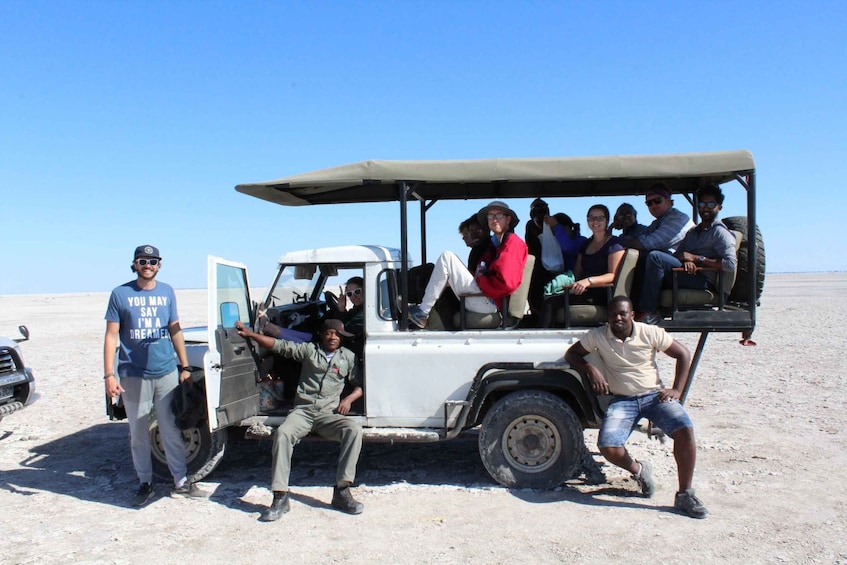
(336,427)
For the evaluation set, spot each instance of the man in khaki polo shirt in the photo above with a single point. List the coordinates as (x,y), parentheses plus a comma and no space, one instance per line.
(628,349)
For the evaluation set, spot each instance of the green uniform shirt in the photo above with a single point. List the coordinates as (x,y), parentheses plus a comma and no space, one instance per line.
(321,380)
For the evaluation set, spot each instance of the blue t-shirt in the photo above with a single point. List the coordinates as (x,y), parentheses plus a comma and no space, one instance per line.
(146,349)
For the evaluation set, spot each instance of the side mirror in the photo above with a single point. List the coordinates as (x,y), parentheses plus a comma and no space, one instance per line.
(24,332)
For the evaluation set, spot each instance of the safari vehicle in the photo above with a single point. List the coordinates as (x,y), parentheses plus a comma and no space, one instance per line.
(503,380)
(17,384)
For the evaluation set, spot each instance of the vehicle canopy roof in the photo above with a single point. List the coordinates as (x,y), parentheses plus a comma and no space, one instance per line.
(619,175)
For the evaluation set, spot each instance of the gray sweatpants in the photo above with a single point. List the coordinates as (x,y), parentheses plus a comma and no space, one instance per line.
(139,396)
(335,427)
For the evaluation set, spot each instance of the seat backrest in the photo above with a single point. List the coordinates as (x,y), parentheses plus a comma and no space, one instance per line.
(622,286)
(728,280)
(517,300)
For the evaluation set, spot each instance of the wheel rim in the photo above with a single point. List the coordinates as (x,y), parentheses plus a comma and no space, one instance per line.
(532,444)
(190,439)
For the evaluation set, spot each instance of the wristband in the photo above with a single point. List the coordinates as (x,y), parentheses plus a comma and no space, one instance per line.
(589,280)
(107,375)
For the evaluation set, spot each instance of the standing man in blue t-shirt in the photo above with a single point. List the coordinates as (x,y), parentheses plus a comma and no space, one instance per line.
(142,319)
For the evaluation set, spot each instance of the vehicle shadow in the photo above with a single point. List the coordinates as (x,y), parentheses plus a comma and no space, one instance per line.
(95,465)
(454,463)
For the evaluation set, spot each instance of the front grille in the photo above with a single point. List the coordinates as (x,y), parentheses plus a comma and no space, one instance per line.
(7,362)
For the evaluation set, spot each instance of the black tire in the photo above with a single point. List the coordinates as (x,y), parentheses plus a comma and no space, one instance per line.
(740,292)
(204,450)
(531,439)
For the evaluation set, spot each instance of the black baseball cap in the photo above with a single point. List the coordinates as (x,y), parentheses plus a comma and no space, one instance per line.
(147,251)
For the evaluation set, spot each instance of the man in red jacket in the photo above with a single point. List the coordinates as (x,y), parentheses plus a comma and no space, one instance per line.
(498,273)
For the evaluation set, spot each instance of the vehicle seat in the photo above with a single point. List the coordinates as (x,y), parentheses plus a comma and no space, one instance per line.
(593,314)
(513,305)
(687,299)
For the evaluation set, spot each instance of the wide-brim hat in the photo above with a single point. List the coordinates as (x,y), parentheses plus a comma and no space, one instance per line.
(482,215)
(337,325)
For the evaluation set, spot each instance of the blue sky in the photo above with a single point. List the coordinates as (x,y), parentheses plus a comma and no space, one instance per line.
(130,122)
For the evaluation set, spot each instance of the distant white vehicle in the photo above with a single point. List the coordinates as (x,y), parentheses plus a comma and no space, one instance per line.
(17,384)
(498,377)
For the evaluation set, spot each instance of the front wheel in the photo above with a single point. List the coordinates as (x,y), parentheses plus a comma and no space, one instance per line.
(204,450)
(531,439)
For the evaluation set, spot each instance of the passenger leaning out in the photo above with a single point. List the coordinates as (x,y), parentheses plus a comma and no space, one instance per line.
(497,275)
(596,266)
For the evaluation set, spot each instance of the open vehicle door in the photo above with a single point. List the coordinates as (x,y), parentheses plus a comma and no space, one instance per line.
(232,373)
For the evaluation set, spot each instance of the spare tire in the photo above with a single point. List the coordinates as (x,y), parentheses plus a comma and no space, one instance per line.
(740,291)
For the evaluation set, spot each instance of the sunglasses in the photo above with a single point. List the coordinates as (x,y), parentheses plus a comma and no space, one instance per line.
(496,216)
(151,262)
(596,218)
(654,201)
(709,205)
(354,292)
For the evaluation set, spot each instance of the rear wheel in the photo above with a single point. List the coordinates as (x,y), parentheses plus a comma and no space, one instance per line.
(531,439)
(204,450)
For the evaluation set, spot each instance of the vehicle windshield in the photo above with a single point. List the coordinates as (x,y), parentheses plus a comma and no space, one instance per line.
(296,284)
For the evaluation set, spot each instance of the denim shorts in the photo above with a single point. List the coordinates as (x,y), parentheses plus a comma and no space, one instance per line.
(624,412)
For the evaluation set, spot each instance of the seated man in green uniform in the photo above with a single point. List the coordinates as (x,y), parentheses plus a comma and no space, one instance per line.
(318,408)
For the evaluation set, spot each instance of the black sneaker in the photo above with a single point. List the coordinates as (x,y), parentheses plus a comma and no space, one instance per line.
(689,504)
(142,495)
(189,490)
(278,507)
(343,500)
(644,478)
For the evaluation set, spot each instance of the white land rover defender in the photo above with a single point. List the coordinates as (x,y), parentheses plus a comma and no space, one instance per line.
(499,377)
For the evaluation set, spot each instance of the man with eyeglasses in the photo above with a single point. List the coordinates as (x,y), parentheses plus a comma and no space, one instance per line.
(709,244)
(142,319)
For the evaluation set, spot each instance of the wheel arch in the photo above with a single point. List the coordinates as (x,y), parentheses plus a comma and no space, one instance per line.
(566,384)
